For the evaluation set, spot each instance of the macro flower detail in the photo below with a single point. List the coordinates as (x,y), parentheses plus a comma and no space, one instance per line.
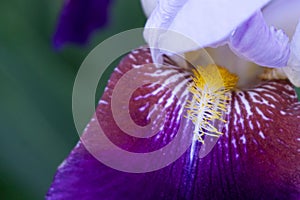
(256,157)
(210,87)
(245,116)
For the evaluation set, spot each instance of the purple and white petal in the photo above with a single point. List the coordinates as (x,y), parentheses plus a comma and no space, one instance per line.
(254,40)
(159,94)
(256,158)
(79,19)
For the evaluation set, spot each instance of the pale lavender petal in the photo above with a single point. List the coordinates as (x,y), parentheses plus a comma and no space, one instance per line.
(256,158)
(294,61)
(283,14)
(158,24)
(256,41)
(199,22)
(292,70)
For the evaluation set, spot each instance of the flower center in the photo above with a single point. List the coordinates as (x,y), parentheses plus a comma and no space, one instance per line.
(210,88)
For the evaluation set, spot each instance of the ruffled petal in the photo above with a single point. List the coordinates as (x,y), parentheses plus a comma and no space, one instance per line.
(79,19)
(256,158)
(255,41)
(198,23)
(283,15)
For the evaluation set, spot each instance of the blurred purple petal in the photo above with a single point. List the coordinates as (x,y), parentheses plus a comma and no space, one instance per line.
(257,42)
(79,19)
(256,158)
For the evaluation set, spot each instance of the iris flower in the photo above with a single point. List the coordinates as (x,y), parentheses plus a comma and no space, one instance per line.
(257,152)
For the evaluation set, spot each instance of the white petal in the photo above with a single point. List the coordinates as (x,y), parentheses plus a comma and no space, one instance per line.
(202,21)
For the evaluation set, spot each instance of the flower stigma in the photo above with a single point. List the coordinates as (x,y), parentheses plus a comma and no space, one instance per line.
(210,88)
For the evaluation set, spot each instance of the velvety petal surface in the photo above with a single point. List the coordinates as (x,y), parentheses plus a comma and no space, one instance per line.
(256,158)
(79,19)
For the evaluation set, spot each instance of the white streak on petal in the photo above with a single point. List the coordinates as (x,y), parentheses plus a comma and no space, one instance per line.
(243,139)
(247,107)
(251,125)
(233,142)
(262,114)
(103,102)
(283,112)
(258,124)
(132,57)
(237,108)
(261,134)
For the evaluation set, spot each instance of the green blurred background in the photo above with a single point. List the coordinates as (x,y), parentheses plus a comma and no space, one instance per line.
(36,123)
(36,83)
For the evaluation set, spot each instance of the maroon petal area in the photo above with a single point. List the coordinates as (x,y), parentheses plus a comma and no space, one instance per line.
(155,88)
(256,158)
(79,19)
(264,135)
(258,155)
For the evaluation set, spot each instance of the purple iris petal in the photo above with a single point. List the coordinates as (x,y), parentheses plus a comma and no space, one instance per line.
(79,19)
(256,158)
(257,42)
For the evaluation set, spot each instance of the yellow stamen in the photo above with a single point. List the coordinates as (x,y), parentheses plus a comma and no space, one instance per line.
(210,87)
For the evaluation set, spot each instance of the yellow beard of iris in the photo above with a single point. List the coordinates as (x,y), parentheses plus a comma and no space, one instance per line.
(210,88)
